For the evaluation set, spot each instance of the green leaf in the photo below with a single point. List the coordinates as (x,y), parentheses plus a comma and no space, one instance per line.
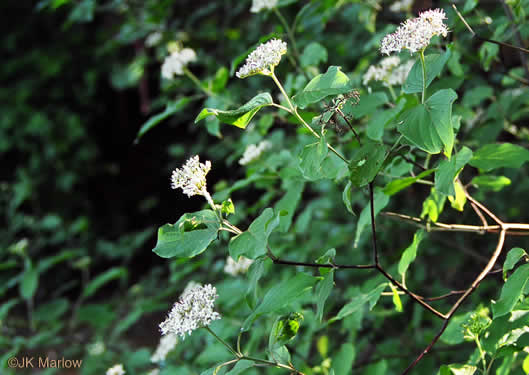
(454,333)
(220,80)
(434,66)
(381,118)
(380,201)
(311,159)
(409,255)
(285,329)
(323,290)
(458,201)
(346,197)
(494,183)
(342,362)
(102,279)
(333,82)
(359,301)
(255,272)
(170,109)
(475,96)
(281,295)
(228,207)
(252,243)
(457,369)
(429,125)
(366,163)
(313,54)
(397,185)
(396,298)
(241,366)
(189,236)
(525,364)
(29,282)
(433,205)
(241,116)
(448,170)
(511,291)
(289,202)
(368,104)
(504,155)
(513,257)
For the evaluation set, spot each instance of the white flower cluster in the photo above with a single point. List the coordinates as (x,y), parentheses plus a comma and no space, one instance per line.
(415,34)
(97,348)
(192,177)
(167,343)
(175,63)
(234,268)
(390,71)
(153,39)
(263,59)
(258,5)
(401,6)
(194,310)
(116,370)
(252,152)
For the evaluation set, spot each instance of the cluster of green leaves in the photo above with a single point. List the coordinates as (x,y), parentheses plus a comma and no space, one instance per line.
(299,199)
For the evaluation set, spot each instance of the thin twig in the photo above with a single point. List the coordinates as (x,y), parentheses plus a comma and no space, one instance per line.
(517,35)
(485,39)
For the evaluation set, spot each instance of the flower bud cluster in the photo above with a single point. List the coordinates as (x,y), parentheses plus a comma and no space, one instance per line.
(415,34)
(390,71)
(116,370)
(191,177)
(401,6)
(194,310)
(258,5)
(263,59)
(175,63)
(234,268)
(167,343)
(252,152)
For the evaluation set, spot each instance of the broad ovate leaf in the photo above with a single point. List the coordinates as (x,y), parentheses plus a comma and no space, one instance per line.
(333,82)
(429,125)
(241,116)
(189,236)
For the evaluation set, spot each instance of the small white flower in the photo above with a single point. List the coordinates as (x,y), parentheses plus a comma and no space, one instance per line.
(415,34)
(189,287)
(154,372)
(192,177)
(234,268)
(389,71)
(401,6)
(252,152)
(167,343)
(175,63)
(116,370)
(194,310)
(258,5)
(153,39)
(263,59)
(97,348)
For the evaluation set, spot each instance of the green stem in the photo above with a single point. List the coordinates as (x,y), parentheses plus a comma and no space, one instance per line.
(228,346)
(481,355)
(295,113)
(197,82)
(292,40)
(392,92)
(423,65)
(269,363)
(427,161)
